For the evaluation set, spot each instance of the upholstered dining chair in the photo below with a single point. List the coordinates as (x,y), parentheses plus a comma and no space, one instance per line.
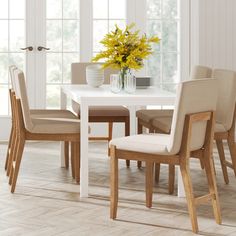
(225,121)
(100,114)
(36,113)
(225,118)
(192,130)
(159,121)
(44,128)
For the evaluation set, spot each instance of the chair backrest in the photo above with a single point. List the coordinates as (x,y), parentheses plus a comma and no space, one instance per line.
(78,73)
(193,96)
(20,82)
(226,96)
(200,72)
(12,68)
(78,76)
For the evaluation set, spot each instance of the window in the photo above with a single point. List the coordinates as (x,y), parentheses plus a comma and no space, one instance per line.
(106,14)
(163,20)
(12,25)
(62,34)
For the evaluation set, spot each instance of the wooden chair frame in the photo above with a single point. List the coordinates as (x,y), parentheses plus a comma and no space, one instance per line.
(22,135)
(181,159)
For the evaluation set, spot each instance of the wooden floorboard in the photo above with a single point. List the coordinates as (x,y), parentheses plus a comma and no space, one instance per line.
(46,200)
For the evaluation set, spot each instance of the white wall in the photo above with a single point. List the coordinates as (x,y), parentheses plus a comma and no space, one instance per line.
(213,33)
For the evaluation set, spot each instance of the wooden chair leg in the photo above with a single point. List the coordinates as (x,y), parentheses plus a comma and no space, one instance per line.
(157,172)
(77,161)
(66,154)
(17,163)
(232,150)
(127,133)
(220,148)
(139,164)
(114,183)
(72,159)
(185,172)
(140,131)
(208,163)
(202,164)
(12,158)
(12,153)
(110,129)
(140,128)
(149,183)
(171,178)
(9,148)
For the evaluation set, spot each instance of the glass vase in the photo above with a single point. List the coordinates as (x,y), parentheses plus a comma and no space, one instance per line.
(115,83)
(128,80)
(123,74)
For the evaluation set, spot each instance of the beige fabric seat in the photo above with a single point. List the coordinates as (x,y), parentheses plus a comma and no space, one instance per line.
(37,113)
(165,123)
(192,131)
(55,125)
(147,143)
(149,115)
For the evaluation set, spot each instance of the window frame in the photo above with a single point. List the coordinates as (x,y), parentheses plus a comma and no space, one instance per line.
(136,12)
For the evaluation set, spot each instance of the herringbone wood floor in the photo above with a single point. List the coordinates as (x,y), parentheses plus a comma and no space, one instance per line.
(46,201)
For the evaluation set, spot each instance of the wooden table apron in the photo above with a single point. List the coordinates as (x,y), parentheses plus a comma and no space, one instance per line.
(87,96)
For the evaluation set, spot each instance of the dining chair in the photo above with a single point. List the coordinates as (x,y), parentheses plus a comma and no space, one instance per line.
(100,114)
(44,129)
(225,121)
(192,130)
(159,121)
(36,113)
(225,118)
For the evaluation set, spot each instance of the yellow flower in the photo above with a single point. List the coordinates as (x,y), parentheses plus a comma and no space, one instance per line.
(125,49)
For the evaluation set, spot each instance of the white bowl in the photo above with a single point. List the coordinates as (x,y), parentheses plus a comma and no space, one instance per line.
(94,75)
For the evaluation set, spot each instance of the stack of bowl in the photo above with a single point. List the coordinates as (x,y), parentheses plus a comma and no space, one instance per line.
(94,75)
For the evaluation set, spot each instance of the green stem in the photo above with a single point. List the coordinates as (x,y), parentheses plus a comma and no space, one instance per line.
(123,72)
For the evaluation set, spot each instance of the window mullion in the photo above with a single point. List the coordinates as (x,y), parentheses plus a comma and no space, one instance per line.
(136,13)
(86,30)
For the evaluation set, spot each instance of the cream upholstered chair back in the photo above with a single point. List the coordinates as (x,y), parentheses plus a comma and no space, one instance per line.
(193,96)
(12,69)
(200,72)
(226,98)
(78,76)
(20,83)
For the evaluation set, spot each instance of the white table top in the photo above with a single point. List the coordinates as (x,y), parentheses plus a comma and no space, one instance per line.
(103,95)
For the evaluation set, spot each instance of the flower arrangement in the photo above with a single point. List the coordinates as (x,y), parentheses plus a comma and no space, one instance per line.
(125,49)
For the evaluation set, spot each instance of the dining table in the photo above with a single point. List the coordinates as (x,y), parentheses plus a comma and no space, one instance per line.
(87,96)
